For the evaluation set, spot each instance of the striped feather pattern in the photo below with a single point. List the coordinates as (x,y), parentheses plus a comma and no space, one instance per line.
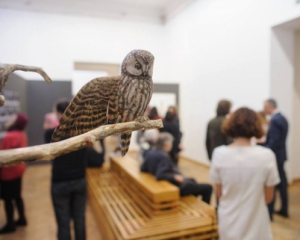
(89,108)
(103,100)
(135,95)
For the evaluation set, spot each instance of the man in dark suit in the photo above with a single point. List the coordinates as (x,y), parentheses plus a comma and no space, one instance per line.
(276,141)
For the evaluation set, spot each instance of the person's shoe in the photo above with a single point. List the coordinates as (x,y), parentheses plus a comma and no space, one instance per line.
(8,228)
(282,214)
(21,222)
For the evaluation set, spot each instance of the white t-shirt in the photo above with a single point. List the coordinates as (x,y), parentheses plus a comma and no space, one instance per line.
(243,173)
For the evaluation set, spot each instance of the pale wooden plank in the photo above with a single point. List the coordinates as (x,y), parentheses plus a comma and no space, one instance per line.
(162,192)
(132,189)
(184,234)
(106,230)
(124,215)
(104,214)
(129,204)
(116,195)
(167,229)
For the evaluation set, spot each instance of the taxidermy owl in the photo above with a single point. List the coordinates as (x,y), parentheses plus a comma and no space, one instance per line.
(103,100)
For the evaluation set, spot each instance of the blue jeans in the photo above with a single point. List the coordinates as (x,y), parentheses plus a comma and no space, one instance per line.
(69,201)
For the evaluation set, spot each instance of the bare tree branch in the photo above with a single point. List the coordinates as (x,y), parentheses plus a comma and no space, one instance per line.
(6,69)
(50,151)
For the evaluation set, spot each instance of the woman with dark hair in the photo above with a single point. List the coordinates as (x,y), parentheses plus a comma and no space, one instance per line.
(11,177)
(214,135)
(245,176)
(172,127)
(153,114)
(174,110)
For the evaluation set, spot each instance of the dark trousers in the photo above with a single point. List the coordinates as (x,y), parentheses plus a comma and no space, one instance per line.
(11,192)
(174,157)
(9,210)
(191,187)
(69,201)
(282,188)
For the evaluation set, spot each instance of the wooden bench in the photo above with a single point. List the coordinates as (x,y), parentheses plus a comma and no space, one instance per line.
(117,194)
(154,197)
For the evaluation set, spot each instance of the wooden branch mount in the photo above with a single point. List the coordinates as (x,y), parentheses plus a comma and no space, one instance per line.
(50,151)
(6,69)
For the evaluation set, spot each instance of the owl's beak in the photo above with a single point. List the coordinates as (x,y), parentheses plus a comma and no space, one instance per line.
(145,71)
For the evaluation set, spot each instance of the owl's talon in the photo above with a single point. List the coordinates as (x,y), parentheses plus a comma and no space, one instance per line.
(141,119)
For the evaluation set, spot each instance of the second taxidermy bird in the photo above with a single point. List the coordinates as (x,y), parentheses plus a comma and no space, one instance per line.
(102,100)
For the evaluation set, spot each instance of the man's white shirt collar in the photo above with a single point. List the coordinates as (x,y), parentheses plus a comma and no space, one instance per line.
(274,113)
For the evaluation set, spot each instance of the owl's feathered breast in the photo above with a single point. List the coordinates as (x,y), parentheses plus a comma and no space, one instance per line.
(135,93)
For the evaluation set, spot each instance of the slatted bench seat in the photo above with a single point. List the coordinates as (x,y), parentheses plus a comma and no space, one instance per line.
(121,217)
(154,197)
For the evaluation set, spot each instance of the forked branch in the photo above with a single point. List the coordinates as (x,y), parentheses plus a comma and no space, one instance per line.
(50,151)
(6,69)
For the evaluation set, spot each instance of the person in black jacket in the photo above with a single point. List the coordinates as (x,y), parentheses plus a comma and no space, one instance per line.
(174,111)
(158,163)
(214,135)
(96,154)
(172,127)
(68,186)
(276,141)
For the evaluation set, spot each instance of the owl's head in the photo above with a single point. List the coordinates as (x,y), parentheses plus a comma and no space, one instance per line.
(138,63)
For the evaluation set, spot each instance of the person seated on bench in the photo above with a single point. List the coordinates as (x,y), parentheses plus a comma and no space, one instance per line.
(158,163)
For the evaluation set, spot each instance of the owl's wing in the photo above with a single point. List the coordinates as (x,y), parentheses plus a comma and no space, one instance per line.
(88,109)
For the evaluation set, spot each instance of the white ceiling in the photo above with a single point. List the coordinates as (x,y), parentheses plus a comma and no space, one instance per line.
(138,10)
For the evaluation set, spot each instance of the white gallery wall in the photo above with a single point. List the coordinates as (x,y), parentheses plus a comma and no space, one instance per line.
(55,42)
(295,166)
(285,79)
(282,85)
(214,49)
(225,48)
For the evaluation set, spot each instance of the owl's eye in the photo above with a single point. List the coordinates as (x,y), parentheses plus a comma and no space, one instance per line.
(137,66)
